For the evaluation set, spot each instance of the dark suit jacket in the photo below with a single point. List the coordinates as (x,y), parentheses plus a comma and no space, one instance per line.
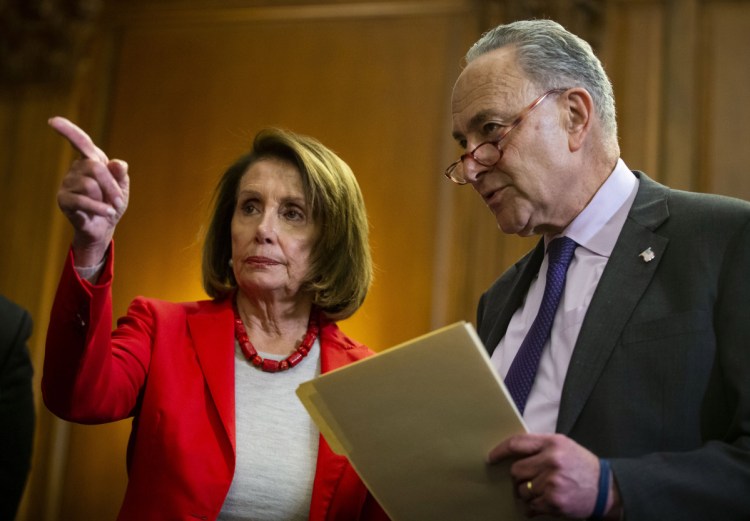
(659,380)
(16,406)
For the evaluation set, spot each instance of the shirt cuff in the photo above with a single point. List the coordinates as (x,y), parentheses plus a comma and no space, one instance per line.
(91,273)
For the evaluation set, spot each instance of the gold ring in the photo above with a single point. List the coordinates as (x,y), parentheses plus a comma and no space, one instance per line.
(528,485)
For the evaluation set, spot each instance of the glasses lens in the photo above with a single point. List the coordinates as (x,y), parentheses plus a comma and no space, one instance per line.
(455,172)
(487,154)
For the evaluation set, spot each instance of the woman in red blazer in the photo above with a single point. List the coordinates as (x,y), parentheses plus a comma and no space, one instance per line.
(217,430)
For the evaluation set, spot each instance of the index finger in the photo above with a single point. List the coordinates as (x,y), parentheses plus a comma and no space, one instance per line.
(77,138)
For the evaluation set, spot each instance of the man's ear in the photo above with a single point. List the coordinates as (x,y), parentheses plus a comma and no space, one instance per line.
(580,116)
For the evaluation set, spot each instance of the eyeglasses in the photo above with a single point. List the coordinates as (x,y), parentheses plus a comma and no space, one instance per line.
(490,152)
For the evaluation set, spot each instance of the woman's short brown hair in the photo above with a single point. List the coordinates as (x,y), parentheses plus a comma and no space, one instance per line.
(341,266)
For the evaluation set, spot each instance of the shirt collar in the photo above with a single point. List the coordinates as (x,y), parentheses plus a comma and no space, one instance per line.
(597,227)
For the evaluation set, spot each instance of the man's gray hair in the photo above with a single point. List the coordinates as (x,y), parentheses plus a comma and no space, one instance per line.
(553,57)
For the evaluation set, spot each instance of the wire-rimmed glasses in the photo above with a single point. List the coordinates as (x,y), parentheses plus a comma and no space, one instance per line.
(490,152)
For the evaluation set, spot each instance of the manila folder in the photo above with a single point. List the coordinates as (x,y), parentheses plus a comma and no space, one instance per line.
(417,422)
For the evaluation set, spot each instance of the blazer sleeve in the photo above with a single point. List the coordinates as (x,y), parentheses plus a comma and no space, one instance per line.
(90,374)
(17,415)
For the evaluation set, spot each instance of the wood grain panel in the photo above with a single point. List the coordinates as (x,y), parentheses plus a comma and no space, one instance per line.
(725,102)
(633,56)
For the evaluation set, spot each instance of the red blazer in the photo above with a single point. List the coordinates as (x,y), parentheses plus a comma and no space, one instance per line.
(171,367)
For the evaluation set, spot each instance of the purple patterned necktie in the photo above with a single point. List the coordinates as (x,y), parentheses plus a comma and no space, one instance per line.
(522,371)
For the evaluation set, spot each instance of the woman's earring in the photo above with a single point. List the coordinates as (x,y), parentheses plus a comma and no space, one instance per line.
(231,263)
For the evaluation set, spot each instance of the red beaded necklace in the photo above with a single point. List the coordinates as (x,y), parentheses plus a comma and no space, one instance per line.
(273,366)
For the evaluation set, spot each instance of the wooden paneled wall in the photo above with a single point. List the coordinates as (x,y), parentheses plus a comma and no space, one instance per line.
(179,87)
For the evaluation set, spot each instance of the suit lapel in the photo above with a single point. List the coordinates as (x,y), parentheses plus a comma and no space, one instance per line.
(623,282)
(504,310)
(212,335)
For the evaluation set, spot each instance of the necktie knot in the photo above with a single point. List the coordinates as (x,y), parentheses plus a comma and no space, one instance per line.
(560,251)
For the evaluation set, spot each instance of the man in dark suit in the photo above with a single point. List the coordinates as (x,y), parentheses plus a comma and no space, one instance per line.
(636,386)
(16,406)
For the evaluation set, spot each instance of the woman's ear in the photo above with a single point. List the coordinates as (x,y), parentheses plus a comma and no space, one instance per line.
(579,116)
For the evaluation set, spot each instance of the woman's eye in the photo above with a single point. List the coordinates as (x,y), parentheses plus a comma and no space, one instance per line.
(249,207)
(294,214)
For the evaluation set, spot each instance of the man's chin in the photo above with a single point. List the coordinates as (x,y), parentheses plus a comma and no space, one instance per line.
(514,228)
